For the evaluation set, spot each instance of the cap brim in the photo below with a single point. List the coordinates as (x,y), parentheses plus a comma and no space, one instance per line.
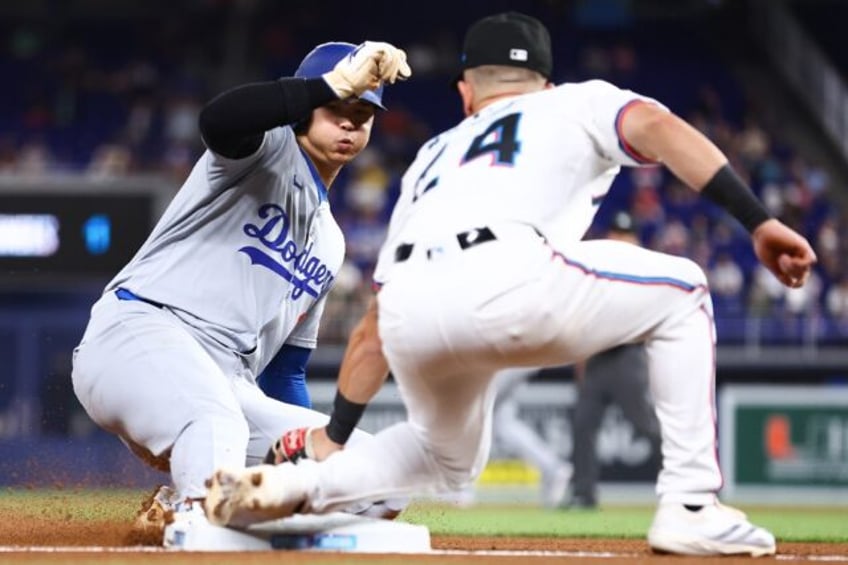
(372,98)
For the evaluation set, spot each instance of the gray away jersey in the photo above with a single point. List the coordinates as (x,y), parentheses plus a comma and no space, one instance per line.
(246,251)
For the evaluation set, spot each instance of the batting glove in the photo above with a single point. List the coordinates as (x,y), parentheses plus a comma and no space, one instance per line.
(293,446)
(366,67)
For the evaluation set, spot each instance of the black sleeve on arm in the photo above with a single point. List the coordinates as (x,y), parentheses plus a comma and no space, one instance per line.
(233,123)
(731,193)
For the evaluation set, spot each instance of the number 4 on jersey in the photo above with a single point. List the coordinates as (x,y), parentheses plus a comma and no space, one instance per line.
(500,140)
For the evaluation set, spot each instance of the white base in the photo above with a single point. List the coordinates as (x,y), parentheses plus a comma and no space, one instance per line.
(302,532)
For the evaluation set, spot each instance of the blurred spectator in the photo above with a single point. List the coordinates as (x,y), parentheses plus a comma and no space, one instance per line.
(8,154)
(181,112)
(673,238)
(366,199)
(830,246)
(753,144)
(345,304)
(772,197)
(726,285)
(836,301)
(646,206)
(103,107)
(34,159)
(804,301)
(766,293)
(109,161)
(435,55)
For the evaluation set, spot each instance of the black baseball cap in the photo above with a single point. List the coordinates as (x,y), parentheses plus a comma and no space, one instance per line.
(511,39)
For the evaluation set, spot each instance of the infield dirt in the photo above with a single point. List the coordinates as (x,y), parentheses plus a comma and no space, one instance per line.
(71,539)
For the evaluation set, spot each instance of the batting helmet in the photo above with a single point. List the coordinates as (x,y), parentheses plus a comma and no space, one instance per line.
(324,57)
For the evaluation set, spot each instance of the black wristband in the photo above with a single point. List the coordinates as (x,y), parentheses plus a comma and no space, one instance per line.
(729,191)
(343,420)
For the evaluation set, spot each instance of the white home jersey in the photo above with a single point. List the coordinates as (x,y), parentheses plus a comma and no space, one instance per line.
(246,251)
(563,142)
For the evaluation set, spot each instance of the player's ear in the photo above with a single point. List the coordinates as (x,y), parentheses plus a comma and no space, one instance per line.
(466,92)
(549,85)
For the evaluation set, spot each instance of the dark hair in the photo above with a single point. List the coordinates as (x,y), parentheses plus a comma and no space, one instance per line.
(301,127)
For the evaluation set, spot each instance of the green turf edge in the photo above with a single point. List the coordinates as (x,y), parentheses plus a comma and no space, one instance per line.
(799,524)
(802,524)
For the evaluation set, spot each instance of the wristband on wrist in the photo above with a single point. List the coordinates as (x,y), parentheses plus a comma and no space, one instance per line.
(729,191)
(343,420)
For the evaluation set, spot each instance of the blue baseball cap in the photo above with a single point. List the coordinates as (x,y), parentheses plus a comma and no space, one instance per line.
(324,57)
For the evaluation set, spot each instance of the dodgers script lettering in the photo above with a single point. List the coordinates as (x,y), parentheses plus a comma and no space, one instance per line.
(305,272)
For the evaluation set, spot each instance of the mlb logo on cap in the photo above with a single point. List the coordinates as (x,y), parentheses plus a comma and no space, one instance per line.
(518,54)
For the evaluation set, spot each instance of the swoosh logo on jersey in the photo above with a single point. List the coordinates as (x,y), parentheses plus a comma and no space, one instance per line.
(306,273)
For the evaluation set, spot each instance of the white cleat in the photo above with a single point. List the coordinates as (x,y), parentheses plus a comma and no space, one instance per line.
(554,486)
(243,497)
(714,529)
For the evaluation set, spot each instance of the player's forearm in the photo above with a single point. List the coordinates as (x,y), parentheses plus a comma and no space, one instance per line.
(694,159)
(363,371)
(233,123)
(364,368)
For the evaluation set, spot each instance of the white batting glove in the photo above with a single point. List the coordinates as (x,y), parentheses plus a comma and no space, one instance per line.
(366,67)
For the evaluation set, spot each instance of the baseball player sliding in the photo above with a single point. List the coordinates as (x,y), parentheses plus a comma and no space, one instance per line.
(484,268)
(234,277)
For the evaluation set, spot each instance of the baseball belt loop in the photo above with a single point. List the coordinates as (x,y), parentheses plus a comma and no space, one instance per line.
(403,252)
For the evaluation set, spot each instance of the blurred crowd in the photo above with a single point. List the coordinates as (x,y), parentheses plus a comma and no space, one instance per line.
(108,104)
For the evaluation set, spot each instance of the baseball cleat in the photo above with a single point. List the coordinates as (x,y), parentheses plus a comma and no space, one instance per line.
(383,509)
(155,513)
(161,508)
(713,529)
(243,497)
(554,486)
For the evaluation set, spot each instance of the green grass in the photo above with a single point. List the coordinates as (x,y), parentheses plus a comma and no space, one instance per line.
(97,505)
(788,524)
(807,524)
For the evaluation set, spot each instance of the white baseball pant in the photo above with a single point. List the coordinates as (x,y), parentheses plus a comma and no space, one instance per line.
(450,320)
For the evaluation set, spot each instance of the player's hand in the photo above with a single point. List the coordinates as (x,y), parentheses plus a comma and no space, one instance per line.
(322,445)
(366,67)
(391,62)
(301,443)
(784,252)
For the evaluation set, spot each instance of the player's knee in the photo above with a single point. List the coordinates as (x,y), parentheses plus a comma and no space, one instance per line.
(215,431)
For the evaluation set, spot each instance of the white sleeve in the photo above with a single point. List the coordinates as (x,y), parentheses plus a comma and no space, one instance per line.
(607,106)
